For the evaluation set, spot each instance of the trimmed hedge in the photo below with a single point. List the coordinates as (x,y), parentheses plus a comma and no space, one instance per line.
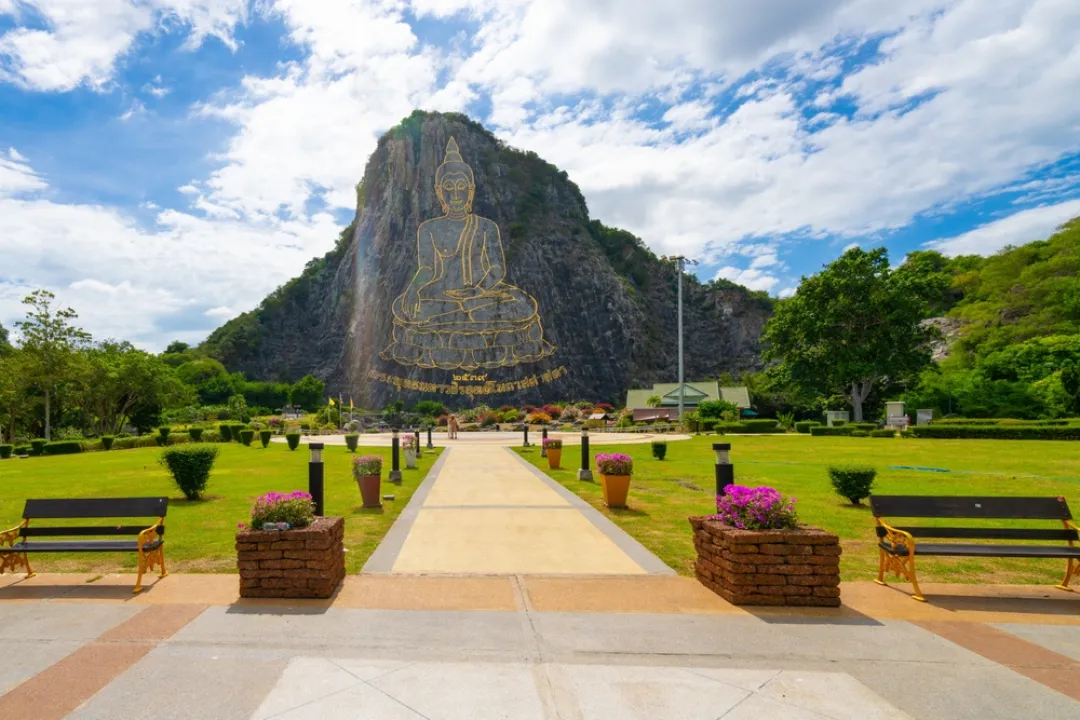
(5,451)
(867,426)
(22,449)
(996,421)
(107,442)
(859,433)
(63,447)
(237,432)
(37,445)
(246,436)
(190,468)
(195,434)
(744,428)
(351,441)
(852,481)
(264,437)
(803,426)
(883,432)
(164,431)
(659,449)
(831,431)
(763,425)
(293,439)
(226,432)
(997,432)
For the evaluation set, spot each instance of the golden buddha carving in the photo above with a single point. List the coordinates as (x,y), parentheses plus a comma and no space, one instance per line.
(458,311)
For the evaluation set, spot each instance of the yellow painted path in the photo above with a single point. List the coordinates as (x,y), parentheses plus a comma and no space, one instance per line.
(489,513)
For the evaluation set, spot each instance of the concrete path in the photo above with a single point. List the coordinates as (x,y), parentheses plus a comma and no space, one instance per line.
(484,510)
(654,648)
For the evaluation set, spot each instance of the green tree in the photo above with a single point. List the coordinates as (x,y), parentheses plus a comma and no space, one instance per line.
(210,379)
(854,325)
(308,392)
(429,408)
(119,381)
(50,342)
(14,397)
(5,340)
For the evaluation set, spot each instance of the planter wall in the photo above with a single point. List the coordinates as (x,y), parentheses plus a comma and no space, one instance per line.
(305,563)
(768,567)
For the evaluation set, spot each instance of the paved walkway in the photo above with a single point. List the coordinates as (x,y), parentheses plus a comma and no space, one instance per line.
(484,510)
(479,648)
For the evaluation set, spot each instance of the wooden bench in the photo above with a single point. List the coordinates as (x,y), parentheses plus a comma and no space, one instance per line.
(17,544)
(898,545)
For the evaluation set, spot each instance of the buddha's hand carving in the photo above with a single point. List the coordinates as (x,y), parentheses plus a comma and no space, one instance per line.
(465,293)
(412,302)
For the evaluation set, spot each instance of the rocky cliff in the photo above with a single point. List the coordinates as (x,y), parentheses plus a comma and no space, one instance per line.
(495,288)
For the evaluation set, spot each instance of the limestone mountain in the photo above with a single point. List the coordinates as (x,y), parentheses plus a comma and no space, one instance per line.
(473,273)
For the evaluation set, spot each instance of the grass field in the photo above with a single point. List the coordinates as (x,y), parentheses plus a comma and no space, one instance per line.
(200,535)
(664,493)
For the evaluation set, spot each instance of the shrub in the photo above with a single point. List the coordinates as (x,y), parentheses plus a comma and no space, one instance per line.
(786,420)
(625,421)
(715,408)
(756,426)
(659,449)
(997,432)
(246,436)
(367,465)
(538,418)
(22,450)
(997,421)
(859,433)
(293,439)
(863,426)
(37,445)
(852,481)
(760,508)
(63,447)
(614,464)
(487,419)
(107,441)
(127,443)
(839,423)
(5,451)
(569,414)
(295,508)
(164,431)
(195,434)
(226,432)
(829,431)
(264,437)
(509,416)
(237,429)
(351,441)
(553,443)
(803,426)
(190,468)
(883,432)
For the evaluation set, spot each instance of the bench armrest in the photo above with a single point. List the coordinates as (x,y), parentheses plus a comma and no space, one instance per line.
(9,537)
(1071,525)
(150,534)
(898,538)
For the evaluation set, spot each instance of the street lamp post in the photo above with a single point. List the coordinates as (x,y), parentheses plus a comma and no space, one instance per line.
(680,263)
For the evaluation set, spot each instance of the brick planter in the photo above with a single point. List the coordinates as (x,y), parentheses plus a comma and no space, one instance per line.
(306,563)
(768,567)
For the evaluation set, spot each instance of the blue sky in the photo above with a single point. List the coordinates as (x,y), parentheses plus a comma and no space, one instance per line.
(164,164)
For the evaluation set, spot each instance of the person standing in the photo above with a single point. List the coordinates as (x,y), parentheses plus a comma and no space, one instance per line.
(451,426)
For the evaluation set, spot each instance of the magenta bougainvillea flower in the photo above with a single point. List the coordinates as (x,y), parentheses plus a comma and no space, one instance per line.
(762,508)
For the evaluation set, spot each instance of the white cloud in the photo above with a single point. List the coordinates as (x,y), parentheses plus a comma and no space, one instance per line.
(136,108)
(764,261)
(83,39)
(16,176)
(850,246)
(1017,229)
(787,292)
(15,155)
(221,313)
(753,278)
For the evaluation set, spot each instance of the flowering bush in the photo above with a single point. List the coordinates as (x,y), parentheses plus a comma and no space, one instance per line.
(408,442)
(294,508)
(367,465)
(552,410)
(553,443)
(569,414)
(614,464)
(539,418)
(760,508)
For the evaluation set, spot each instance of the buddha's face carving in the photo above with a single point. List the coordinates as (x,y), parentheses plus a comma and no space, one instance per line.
(455,192)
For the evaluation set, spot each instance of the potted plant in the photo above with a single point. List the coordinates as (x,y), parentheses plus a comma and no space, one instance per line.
(409,446)
(615,471)
(754,552)
(287,551)
(553,450)
(368,471)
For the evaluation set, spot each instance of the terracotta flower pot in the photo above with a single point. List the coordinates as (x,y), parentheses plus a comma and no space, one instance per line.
(371,490)
(616,488)
(554,455)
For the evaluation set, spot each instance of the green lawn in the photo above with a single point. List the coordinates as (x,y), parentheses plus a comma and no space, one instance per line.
(201,534)
(663,494)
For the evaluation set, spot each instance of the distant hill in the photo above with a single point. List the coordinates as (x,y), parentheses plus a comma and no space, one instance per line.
(607,303)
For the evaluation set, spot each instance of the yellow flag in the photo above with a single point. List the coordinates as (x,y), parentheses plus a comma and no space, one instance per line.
(350,402)
(331,402)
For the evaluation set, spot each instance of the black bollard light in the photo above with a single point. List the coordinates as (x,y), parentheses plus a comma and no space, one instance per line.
(429,443)
(725,471)
(525,427)
(543,441)
(418,452)
(315,477)
(584,473)
(395,459)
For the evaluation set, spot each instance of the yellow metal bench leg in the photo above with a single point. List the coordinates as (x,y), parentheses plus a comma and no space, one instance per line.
(883,562)
(161,559)
(142,569)
(915,581)
(29,570)
(1072,569)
